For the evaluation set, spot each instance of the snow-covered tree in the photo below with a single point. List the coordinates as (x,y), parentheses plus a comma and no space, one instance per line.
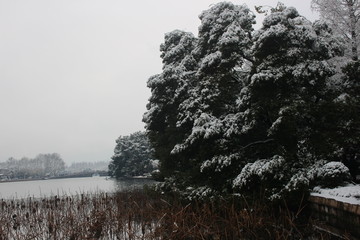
(169,89)
(52,163)
(348,126)
(224,41)
(344,17)
(132,156)
(288,103)
(257,110)
(49,164)
(222,51)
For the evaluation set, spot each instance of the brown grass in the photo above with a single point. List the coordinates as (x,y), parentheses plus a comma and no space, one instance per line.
(138,215)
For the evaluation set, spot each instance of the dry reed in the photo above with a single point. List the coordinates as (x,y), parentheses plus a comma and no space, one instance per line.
(137,215)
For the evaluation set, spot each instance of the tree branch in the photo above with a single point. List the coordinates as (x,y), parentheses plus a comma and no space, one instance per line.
(258,142)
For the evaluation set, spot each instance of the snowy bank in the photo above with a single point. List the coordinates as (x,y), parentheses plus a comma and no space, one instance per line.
(348,194)
(337,210)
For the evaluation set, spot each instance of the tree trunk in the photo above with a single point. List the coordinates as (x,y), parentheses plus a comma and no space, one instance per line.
(354,46)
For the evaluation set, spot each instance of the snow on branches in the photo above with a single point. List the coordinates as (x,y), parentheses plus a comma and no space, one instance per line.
(235,108)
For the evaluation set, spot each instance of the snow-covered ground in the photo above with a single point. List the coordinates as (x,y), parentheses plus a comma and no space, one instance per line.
(349,193)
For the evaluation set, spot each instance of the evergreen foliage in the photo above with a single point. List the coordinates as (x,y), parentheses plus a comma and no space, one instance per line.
(132,156)
(348,109)
(169,89)
(243,110)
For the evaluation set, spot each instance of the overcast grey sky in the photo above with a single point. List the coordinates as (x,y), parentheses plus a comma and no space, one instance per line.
(73,72)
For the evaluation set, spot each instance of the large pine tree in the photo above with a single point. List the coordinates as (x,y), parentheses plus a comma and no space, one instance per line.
(241,110)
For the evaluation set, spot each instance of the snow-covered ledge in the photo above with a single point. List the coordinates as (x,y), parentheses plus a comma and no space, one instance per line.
(347,194)
(338,209)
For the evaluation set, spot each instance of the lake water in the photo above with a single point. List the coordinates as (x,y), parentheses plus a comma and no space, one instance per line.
(67,186)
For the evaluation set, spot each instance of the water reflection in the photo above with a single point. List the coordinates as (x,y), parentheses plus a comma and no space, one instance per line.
(132,183)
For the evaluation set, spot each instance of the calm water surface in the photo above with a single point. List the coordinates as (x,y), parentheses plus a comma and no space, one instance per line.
(67,186)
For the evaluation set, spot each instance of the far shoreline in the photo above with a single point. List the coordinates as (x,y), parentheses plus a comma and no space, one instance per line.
(82,175)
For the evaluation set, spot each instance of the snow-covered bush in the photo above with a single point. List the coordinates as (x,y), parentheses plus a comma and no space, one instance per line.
(186,192)
(280,181)
(332,174)
(261,171)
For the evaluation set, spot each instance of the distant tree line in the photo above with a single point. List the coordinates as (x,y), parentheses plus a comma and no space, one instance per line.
(49,164)
(262,112)
(87,166)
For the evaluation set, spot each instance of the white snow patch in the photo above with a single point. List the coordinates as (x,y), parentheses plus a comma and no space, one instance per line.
(348,194)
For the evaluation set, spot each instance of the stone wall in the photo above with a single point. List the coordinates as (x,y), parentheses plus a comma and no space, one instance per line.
(337,217)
